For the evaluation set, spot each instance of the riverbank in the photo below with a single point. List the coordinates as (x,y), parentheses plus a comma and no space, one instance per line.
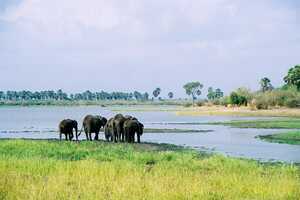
(238,111)
(281,123)
(102,103)
(97,170)
(179,107)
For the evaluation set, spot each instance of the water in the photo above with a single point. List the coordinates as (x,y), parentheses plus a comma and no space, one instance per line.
(41,122)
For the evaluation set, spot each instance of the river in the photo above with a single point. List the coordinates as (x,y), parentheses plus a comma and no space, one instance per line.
(40,122)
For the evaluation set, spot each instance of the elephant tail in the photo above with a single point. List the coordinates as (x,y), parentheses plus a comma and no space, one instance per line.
(80,131)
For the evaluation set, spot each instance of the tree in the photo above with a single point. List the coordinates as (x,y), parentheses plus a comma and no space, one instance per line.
(146,96)
(211,93)
(265,84)
(156,92)
(214,94)
(293,76)
(171,95)
(137,95)
(2,95)
(193,89)
(219,94)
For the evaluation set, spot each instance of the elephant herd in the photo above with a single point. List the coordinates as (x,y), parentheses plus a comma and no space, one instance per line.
(119,128)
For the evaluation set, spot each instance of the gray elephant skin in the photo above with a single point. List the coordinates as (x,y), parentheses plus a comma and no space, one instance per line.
(132,127)
(108,130)
(118,128)
(66,127)
(93,124)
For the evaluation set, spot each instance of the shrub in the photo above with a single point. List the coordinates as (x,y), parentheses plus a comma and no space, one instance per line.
(237,99)
(292,102)
(225,101)
(200,103)
(280,97)
(187,104)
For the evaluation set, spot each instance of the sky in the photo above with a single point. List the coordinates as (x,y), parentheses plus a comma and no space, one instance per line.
(127,45)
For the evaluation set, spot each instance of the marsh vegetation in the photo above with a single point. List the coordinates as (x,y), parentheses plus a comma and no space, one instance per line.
(99,170)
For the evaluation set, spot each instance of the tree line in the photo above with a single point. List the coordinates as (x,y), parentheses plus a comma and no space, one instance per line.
(192,89)
(61,95)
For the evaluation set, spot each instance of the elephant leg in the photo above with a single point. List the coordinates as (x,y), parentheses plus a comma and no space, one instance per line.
(66,137)
(71,136)
(60,136)
(96,136)
(111,137)
(131,135)
(90,136)
(119,133)
(138,138)
(115,135)
(86,134)
(127,135)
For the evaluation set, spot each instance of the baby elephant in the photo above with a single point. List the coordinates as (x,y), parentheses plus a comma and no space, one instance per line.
(132,126)
(66,127)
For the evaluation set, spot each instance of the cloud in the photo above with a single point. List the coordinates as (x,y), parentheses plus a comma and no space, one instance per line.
(188,39)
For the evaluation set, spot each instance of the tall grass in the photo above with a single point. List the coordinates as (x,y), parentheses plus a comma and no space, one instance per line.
(61,170)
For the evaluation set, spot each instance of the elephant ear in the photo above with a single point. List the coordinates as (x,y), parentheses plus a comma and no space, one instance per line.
(104,120)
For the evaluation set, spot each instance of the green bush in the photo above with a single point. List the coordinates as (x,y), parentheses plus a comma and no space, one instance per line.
(237,99)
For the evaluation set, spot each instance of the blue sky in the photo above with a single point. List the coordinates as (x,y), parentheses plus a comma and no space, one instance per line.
(142,44)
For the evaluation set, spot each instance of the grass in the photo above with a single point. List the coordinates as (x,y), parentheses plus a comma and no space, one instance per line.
(288,123)
(97,170)
(292,137)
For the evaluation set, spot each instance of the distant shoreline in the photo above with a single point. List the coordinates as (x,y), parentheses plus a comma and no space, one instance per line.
(92,103)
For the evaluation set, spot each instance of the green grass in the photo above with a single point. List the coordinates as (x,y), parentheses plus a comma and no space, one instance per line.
(287,138)
(283,123)
(42,169)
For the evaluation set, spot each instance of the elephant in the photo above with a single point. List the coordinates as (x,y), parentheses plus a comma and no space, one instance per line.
(93,124)
(108,130)
(66,127)
(132,126)
(130,117)
(117,128)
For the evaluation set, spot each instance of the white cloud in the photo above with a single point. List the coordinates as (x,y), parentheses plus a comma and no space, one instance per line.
(151,36)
